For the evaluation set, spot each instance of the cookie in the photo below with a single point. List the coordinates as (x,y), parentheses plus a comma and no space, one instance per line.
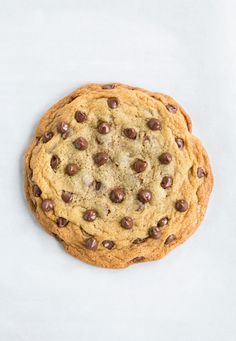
(115,174)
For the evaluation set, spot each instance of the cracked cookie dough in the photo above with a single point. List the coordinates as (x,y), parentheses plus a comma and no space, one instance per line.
(115,174)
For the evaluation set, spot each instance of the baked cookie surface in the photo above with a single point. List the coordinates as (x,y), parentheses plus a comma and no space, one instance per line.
(115,174)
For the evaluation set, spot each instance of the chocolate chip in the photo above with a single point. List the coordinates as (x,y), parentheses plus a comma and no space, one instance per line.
(165,158)
(108,86)
(154,232)
(80,116)
(144,196)
(47,136)
(200,172)
(98,185)
(162,222)
(104,128)
(154,124)
(170,239)
(101,158)
(181,205)
(80,143)
(117,195)
(62,127)
(112,102)
(127,223)
(130,133)
(47,205)
(67,196)
(139,166)
(171,108)
(36,191)
(90,215)
(55,162)
(179,142)
(138,259)
(91,243)
(62,222)
(108,244)
(72,169)
(139,241)
(166,182)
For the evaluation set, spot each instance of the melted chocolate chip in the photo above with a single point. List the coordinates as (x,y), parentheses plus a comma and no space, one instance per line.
(72,169)
(171,108)
(138,259)
(179,142)
(80,116)
(101,158)
(200,172)
(90,215)
(113,102)
(139,166)
(117,195)
(98,185)
(144,196)
(130,133)
(80,143)
(154,124)
(162,222)
(47,136)
(108,244)
(108,86)
(62,222)
(127,223)
(104,128)
(91,243)
(36,191)
(166,182)
(55,162)
(47,205)
(181,205)
(165,158)
(62,127)
(170,239)
(139,241)
(67,197)
(154,232)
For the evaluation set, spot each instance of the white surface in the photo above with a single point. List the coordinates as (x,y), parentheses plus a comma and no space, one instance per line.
(182,48)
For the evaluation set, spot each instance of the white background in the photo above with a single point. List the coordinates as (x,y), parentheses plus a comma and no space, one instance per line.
(183,48)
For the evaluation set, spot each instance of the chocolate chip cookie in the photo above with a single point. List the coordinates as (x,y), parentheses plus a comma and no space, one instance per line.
(115,174)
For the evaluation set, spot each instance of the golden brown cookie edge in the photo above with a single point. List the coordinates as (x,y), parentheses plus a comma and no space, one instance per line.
(204,189)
